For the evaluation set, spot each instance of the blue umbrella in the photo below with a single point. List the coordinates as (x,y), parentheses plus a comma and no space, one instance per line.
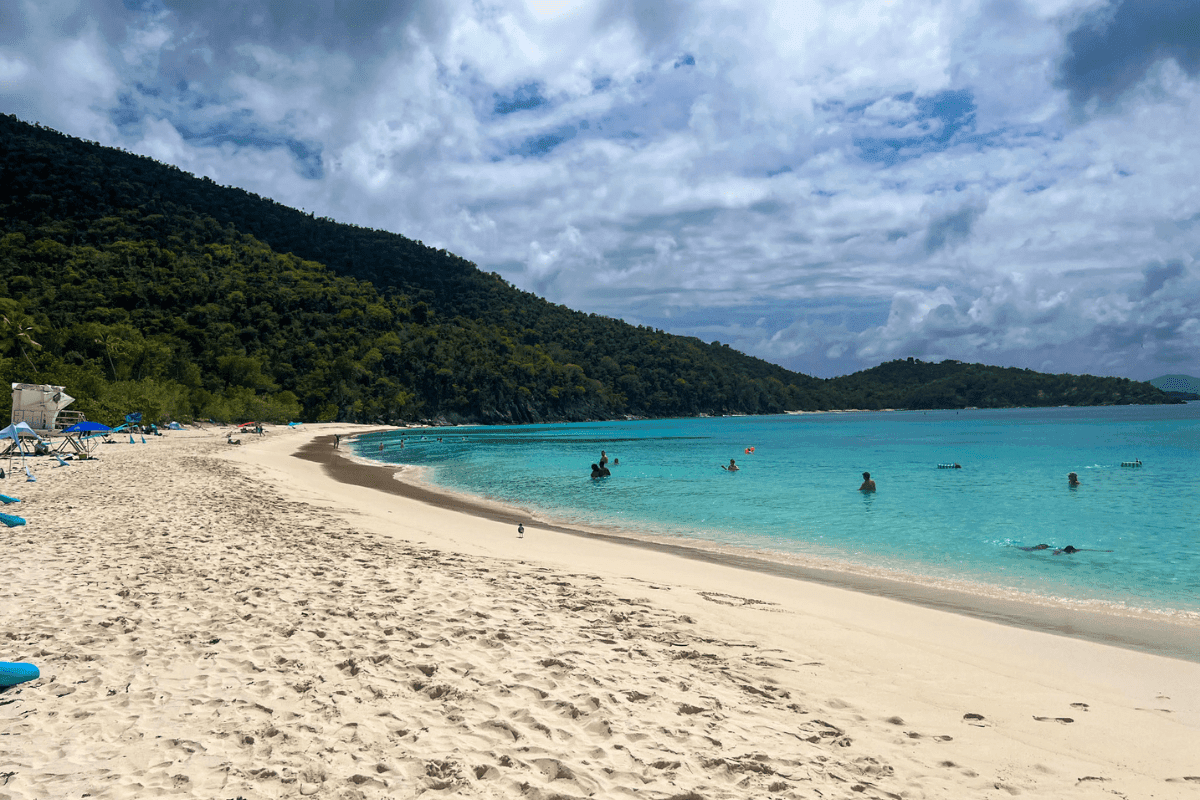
(86,430)
(87,427)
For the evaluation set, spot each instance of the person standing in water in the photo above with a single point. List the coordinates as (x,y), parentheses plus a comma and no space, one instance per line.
(603,459)
(733,467)
(868,485)
(1072,480)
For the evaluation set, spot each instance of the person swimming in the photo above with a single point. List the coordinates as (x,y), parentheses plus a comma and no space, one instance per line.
(599,471)
(1072,480)
(868,485)
(1069,550)
(733,467)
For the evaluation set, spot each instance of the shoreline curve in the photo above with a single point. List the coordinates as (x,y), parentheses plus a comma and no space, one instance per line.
(1154,635)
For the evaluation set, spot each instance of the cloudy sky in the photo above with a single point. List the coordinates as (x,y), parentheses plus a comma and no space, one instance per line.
(824,184)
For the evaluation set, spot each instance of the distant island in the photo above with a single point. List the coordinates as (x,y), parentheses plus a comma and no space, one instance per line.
(143,288)
(1180,387)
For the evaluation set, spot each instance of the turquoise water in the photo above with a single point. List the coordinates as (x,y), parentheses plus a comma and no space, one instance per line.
(797,493)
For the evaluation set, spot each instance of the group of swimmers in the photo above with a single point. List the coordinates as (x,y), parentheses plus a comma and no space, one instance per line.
(601,470)
(868,485)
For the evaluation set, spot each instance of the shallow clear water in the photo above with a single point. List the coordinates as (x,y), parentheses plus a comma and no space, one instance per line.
(797,493)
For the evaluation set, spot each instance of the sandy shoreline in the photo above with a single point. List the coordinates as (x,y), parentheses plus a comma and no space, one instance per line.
(216,621)
(1155,633)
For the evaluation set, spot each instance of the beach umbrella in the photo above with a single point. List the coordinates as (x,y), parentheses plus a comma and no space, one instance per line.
(85,433)
(87,427)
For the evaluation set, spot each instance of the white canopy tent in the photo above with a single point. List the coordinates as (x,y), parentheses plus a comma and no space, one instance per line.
(15,432)
(18,429)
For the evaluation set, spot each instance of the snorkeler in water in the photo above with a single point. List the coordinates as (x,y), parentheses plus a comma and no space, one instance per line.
(1071,550)
(1058,551)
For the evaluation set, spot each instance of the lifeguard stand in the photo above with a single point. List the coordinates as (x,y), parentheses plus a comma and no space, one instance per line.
(41,407)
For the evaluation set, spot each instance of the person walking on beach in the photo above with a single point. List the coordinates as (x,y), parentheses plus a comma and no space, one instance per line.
(337,441)
(868,485)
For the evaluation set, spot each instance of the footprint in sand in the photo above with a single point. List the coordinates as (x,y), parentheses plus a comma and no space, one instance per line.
(1080,706)
(1062,720)
(975,719)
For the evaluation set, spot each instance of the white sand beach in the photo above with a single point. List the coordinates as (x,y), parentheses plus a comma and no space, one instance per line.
(217,621)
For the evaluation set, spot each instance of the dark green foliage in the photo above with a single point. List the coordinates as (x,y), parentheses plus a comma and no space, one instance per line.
(140,287)
(912,383)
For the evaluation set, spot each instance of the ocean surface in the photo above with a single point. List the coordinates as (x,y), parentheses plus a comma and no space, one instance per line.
(796,495)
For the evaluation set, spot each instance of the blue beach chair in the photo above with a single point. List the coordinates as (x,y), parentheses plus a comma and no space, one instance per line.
(11,521)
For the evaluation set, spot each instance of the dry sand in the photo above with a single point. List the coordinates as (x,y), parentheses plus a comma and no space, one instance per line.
(219,622)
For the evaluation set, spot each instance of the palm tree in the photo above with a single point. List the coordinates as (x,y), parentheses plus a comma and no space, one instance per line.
(17,333)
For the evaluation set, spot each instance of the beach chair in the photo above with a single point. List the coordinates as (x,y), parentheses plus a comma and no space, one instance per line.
(12,521)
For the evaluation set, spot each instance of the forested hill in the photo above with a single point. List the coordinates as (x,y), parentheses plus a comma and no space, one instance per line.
(912,383)
(141,287)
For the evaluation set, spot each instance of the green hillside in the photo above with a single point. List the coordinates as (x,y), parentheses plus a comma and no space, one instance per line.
(912,383)
(143,288)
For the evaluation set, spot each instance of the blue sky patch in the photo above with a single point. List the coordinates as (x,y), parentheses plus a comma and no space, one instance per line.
(946,114)
(543,144)
(524,98)
(306,155)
